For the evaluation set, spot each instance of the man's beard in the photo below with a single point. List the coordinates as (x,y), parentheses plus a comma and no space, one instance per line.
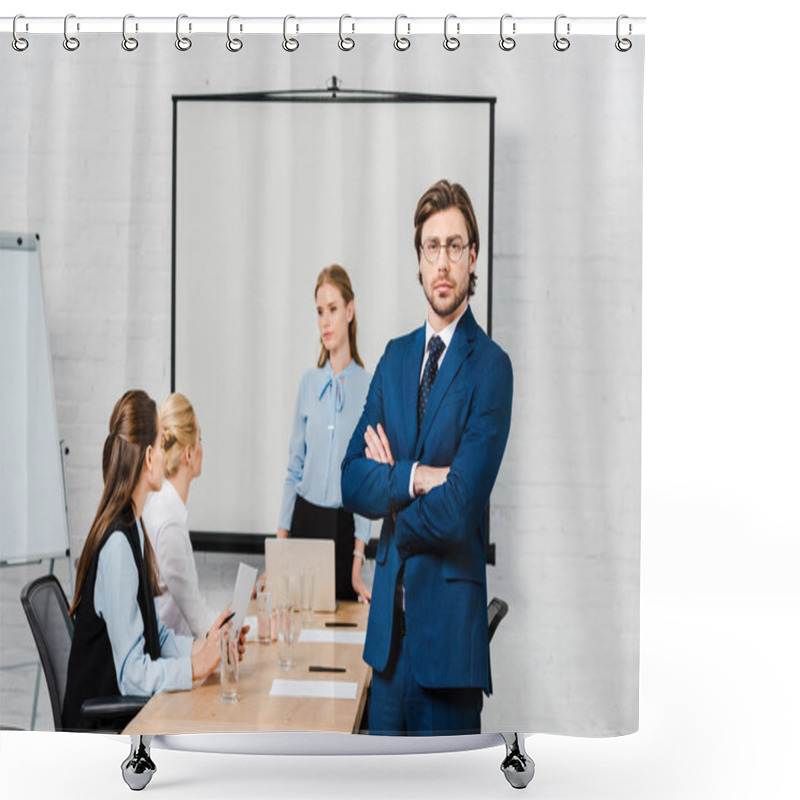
(445,311)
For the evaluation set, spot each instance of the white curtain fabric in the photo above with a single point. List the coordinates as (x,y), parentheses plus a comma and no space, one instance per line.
(87,164)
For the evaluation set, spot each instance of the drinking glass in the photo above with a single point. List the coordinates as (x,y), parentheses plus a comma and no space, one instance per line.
(285,636)
(264,611)
(229,665)
(307,597)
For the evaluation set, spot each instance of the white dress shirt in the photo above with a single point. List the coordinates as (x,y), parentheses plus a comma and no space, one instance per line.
(180,605)
(446,335)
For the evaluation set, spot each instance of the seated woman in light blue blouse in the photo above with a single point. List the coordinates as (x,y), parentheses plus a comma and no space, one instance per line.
(119,644)
(329,404)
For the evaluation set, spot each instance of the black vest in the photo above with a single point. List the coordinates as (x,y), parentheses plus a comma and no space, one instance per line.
(91,672)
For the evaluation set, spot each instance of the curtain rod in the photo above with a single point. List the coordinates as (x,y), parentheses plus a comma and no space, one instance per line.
(347,25)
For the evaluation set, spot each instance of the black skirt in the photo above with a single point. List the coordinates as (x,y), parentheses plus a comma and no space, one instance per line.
(316,522)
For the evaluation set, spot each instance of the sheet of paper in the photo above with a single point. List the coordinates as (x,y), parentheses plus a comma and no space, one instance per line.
(331,690)
(331,636)
(245,581)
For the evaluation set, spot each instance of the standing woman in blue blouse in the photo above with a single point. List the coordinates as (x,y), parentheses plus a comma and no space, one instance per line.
(119,644)
(329,403)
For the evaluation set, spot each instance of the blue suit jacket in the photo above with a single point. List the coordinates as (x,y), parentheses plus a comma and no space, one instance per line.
(440,536)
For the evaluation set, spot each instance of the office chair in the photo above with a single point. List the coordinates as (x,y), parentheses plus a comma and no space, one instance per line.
(497,610)
(46,608)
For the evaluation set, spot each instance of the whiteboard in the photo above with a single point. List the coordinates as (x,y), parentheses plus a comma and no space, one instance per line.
(266,195)
(33,516)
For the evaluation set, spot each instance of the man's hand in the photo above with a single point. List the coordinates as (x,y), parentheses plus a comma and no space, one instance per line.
(377,446)
(427,478)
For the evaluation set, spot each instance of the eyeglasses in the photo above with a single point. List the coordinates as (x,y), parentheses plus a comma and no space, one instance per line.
(454,248)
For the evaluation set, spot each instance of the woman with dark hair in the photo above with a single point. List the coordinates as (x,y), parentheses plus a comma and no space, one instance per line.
(329,403)
(119,644)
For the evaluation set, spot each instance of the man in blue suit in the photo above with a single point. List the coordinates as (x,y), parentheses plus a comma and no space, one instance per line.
(424,457)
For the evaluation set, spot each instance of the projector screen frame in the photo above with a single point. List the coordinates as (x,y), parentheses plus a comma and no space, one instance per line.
(252,543)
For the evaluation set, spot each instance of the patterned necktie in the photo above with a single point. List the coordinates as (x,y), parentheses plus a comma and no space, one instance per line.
(435,347)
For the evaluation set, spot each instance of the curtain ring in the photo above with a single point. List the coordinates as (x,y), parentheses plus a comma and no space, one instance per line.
(401,43)
(183,43)
(289,44)
(346,43)
(129,43)
(451,42)
(233,44)
(561,43)
(71,43)
(623,45)
(507,42)
(18,42)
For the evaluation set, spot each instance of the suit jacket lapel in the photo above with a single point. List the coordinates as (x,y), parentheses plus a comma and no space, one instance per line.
(411,367)
(460,347)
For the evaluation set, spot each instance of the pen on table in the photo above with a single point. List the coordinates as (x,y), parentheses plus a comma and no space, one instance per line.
(341,624)
(314,668)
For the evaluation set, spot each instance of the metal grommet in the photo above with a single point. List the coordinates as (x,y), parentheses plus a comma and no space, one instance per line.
(71,43)
(289,44)
(401,43)
(561,43)
(451,42)
(507,42)
(128,42)
(233,44)
(623,45)
(345,42)
(18,42)
(183,43)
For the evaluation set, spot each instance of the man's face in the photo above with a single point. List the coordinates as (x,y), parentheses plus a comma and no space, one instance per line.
(445,275)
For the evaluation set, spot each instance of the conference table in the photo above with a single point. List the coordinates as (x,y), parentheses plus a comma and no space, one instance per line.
(258,708)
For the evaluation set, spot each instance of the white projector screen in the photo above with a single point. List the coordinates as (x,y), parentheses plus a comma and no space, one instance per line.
(268,192)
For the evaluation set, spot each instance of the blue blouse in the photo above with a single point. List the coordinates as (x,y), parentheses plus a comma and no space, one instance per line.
(115,591)
(326,413)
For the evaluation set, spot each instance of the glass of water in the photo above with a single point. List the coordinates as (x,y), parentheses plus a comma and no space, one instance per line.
(285,636)
(264,610)
(307,597)
(229,665)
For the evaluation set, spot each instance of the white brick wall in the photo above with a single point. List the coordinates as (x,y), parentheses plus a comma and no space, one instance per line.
(86,162)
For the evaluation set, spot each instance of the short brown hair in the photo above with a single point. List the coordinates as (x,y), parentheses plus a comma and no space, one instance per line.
(441,196)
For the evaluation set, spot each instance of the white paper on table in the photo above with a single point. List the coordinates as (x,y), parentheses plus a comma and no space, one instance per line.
(331,690)
(245,581)
(252,634)
(331,636)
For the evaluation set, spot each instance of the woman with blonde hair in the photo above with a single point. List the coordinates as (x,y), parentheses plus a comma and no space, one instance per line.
(329,403)
(180,603)
(119,644)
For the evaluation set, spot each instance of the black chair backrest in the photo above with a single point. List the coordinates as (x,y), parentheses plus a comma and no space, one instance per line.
(47,609)
(497,610)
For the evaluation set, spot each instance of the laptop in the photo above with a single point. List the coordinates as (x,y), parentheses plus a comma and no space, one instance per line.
(289,556)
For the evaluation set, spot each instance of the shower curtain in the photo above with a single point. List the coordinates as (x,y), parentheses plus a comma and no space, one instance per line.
(185,201)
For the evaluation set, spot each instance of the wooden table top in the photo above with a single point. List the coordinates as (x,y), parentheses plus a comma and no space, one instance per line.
(202,709)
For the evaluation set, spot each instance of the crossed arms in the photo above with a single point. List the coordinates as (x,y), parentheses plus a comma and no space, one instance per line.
(377,448)
(449,500)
